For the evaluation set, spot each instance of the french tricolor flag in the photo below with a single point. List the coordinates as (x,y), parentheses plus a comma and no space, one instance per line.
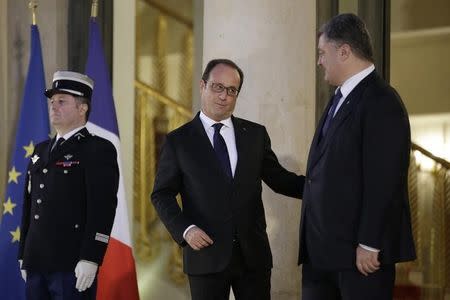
(117,275)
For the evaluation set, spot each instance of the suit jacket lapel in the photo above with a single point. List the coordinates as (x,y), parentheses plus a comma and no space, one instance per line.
(340,116)
(346,108)
(242,141)
(315,142)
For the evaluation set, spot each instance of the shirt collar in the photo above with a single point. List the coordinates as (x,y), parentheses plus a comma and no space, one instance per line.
(353,81)
(70,133)
(208,122)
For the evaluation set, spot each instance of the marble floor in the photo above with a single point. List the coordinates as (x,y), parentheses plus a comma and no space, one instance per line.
(154,281)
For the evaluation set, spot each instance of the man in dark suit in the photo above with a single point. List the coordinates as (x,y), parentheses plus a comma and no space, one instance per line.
(355,221)
(70,199)
(217,162)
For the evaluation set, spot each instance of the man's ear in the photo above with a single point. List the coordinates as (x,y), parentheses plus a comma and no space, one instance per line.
(202,86)
(345,51)
(83,108)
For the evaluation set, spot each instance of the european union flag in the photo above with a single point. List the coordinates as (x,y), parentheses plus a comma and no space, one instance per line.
(33,127)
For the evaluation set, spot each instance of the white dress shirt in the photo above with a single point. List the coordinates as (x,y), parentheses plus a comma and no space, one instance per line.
(227,132)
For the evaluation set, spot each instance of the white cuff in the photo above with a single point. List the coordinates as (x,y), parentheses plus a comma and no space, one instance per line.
(187,229)
(369,248)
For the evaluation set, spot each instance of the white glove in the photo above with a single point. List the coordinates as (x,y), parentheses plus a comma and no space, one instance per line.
(85,272)
(22,272)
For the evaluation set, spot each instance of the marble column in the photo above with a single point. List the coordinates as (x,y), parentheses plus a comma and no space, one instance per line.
(274,43)
(123,89)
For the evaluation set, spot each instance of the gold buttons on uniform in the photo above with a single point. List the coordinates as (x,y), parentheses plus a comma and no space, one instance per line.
(44,171)
(41,185)
(36,217)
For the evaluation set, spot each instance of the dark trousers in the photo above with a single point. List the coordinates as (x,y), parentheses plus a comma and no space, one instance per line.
(246,284)
(347,284)
(56,286)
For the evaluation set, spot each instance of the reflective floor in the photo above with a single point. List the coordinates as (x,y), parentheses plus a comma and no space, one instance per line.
(154,282)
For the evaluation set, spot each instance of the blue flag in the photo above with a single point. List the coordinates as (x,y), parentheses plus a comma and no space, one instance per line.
(33,128)
(103,112)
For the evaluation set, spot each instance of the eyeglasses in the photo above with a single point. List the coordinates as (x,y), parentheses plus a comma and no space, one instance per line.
(219,88)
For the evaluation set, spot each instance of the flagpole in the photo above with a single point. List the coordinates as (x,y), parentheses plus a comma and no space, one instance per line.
(33,5)
(94,9)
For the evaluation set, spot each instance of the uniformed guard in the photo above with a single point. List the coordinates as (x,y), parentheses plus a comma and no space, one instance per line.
(70,198)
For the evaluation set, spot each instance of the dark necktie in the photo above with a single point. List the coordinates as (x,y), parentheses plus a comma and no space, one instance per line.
(334,102)
(221,149)
(58,144)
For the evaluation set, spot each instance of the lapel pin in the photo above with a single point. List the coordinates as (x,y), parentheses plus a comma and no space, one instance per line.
(68,156)
(34,159)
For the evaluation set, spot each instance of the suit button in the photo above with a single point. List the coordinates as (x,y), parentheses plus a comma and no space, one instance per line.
(41,185)
(44,171)
(36,217)
(39,201)
(309,181)
(76,225)
(65,171)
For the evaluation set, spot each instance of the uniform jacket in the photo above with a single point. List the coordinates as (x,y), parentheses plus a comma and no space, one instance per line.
(224,208)
(69,204)
(356,189)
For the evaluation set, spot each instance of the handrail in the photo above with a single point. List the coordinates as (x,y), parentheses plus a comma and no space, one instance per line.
(170,13)
(163,99)
(186,112)
(430,155)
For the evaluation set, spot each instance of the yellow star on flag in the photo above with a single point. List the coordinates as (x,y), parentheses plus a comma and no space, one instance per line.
(16,235)
(13,175)
(8,206)
(29,149)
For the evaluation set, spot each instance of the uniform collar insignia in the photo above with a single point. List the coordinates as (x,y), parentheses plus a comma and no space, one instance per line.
(79,135)
(34,159)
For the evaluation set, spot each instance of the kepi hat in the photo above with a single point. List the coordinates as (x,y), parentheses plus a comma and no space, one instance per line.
(72,83)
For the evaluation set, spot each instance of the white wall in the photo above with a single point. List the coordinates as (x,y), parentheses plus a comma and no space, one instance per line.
(420,69)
